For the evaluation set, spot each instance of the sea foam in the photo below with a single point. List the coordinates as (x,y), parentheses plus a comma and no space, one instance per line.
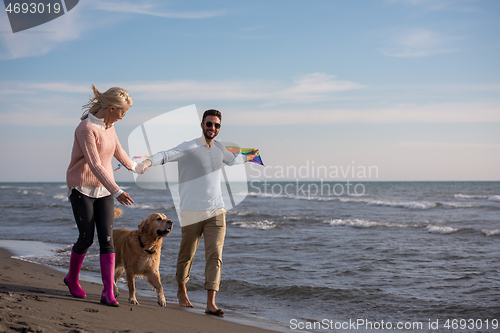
(263,225)
(360,223)
(434,229)
(491,232)
(495,198)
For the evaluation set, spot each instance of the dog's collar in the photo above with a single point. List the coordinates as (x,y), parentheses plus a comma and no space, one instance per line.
(142,245)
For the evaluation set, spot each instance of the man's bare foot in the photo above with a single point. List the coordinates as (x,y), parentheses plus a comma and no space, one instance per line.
(184,301)
(211,307)
(183,297)
(217,312)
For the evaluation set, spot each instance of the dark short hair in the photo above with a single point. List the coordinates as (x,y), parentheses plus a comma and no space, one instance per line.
(212,112)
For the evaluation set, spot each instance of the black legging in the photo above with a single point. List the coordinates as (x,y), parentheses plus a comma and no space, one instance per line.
(90,212)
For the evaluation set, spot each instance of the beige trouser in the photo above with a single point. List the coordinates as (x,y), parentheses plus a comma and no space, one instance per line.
(214,231)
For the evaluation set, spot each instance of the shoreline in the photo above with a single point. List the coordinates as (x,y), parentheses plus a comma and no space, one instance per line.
(33,298)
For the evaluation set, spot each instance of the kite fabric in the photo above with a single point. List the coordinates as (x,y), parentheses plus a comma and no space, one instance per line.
(245,151)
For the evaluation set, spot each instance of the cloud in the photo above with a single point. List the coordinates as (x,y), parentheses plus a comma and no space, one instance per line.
(312,88)
(445,145)
(38,108)
(402,113)
(43,39)
(435,5)
(419,43)
(270,102)
(57,87)
(304,89)
(36,119)
(307,88)
(54,112)
(154,10)
(42,99)
(196,90)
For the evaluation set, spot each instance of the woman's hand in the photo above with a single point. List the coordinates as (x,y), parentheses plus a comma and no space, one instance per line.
(143,167)
(125,199)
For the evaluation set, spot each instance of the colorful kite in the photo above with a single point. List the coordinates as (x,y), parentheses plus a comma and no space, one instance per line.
(132,158)
(245,151)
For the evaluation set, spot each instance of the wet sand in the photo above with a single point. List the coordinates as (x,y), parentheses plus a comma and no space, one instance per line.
(33,298)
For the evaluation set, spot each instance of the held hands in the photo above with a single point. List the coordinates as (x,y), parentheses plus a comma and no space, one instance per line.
(142,167)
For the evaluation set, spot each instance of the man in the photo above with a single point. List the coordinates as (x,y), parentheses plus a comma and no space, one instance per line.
(201,205)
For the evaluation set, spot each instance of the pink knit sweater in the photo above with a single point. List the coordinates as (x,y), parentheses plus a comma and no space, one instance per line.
(91,156)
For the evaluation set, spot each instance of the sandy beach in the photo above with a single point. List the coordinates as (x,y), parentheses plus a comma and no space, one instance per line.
(33,298)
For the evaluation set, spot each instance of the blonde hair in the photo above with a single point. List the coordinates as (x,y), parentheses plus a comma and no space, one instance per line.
(117,97)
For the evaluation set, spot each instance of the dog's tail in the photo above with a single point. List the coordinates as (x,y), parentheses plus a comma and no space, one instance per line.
(118,212)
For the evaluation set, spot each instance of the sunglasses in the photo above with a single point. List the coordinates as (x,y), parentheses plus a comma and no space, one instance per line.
(210,124)
(121,113)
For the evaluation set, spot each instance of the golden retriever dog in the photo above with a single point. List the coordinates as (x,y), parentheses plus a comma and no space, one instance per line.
(117,212)
(138,253)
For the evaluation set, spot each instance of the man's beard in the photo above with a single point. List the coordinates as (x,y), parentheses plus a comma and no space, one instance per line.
(208,136)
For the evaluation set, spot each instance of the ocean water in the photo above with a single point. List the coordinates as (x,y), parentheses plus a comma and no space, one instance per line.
(315,256)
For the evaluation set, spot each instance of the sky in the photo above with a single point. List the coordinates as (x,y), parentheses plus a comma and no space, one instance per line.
(408,89)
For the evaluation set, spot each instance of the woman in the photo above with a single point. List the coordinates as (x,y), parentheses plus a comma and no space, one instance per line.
(92,186)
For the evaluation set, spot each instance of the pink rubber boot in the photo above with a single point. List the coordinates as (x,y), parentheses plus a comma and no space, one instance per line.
(108,275)
(71,279)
